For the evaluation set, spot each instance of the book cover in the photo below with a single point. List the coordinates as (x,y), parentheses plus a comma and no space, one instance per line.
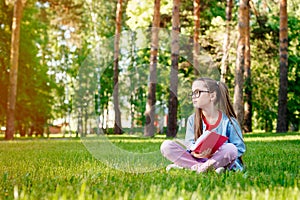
(211,141)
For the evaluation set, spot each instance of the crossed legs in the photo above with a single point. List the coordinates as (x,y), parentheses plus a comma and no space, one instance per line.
(179,156)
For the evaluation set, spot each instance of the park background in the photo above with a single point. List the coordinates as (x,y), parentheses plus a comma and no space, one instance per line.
(66,72)
(59,74)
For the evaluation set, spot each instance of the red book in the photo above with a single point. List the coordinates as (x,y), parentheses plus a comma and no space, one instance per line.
(211,141)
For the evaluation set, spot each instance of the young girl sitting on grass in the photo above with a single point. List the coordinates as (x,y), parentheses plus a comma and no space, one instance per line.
(213,112)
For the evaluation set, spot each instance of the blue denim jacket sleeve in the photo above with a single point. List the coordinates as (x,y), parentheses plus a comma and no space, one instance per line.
(235,136)
(189,135)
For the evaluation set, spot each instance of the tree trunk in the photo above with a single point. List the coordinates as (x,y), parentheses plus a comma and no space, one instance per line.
(196,36)
(132,113)
(117,124)
(13,73)
(173,100)
(226,44)
(240,62)
(150,107)
(282,125)
(247,126)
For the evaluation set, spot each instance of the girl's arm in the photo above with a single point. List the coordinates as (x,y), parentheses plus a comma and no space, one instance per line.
(235,136)
(189,134)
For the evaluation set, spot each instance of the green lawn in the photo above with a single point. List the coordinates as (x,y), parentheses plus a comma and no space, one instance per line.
(103,169)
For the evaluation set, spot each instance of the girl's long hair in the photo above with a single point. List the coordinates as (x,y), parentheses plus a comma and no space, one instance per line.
(222,101)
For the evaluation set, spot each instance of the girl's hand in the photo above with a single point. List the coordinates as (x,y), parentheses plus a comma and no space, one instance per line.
(204,154)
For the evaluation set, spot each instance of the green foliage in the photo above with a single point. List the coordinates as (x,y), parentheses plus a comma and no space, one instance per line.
(294,73)
(265,68)
(64,169)
(59,38)
(34,100)
(5,29)
(139,14)
(33,104)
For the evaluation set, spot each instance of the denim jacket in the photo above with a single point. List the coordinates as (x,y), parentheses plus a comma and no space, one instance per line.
(230,129)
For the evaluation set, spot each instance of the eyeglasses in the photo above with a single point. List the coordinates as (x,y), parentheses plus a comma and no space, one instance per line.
(197,93)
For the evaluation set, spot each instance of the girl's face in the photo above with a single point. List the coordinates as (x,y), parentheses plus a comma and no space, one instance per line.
(201,95)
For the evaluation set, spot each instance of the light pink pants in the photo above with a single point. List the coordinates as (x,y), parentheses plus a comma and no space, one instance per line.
(179,156)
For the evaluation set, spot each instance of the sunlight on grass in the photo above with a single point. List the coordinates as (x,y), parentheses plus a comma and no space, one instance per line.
(126,153)
(277,138)
(67,169)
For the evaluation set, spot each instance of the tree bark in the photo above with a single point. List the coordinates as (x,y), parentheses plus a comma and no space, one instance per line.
(196,35)
(282,125)
(240,62)
(13,73)
(173,100)
(226,44)
(150,107)
(117,124)
(247,126)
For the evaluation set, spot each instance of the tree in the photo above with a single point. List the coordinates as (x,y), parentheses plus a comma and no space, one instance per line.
(196,35)
(240,61)
(5,38)
(13,74)
(151,100)
(247,126)
(264,50)
(34,84)
(117,123)
(173,100)
(97,36)
(282,124)
(226,44)
(293,114)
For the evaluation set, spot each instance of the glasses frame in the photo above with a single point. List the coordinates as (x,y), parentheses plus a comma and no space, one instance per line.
(197,93)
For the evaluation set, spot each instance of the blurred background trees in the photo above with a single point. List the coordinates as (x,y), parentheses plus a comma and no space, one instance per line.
(66,70)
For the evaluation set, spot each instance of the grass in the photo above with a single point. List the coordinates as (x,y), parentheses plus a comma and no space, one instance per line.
(78,169)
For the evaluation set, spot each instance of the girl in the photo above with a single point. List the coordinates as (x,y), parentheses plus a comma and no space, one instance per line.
(213,112)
